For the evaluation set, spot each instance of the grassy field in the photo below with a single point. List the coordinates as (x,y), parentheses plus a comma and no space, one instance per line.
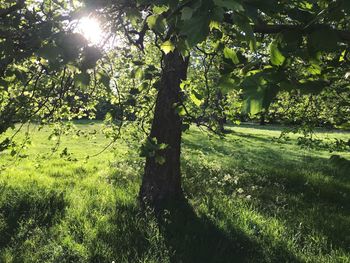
(251,198)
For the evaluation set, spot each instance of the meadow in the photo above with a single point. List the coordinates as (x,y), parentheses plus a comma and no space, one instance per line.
(251,198)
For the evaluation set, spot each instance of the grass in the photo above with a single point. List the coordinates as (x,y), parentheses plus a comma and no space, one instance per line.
(251,198)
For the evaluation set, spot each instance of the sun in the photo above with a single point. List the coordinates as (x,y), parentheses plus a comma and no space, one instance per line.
(90,28)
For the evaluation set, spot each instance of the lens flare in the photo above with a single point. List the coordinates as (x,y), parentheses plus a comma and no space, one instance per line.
(90,28)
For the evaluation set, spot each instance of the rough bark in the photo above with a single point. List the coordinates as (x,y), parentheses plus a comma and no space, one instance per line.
(162,182)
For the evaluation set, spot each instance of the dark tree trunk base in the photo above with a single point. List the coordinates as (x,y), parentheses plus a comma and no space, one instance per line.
(262,119)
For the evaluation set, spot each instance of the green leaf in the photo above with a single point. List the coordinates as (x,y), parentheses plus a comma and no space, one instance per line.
(186,13)
(160,159)
(71,44)
(185,126)
(180,110)
(286,86)
(139,73)
(226,84)
(151,148)
(217,14)
(160,9)
(276,57)
(82,79)
(134,16)
(105,80)
(270,92)
(314,69)
(312,87)
(183,47)
(323,39)
(342,56)
(214,25)
(231,54)
(252,106)
(253,93)
(229,4)
(196,29)
(3,83)
(156,23)
(152,21)
(246,27)
(167,47)
(290,41)
(196,98)
(49,52)
(90,57)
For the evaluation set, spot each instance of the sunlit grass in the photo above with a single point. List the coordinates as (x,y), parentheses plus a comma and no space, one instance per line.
(252,199)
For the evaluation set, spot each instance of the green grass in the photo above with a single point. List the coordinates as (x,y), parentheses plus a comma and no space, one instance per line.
(251,198)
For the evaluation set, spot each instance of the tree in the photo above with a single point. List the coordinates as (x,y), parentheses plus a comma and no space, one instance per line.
(265,46)
(162,179)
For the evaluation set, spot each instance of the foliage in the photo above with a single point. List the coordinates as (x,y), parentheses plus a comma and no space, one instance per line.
(327,109)
(262,49)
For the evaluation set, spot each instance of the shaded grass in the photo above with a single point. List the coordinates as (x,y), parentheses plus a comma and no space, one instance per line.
(250,199)
(283,195)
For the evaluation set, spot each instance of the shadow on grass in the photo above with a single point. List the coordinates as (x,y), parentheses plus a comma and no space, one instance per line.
(177,235)
(316,195)
(267,127)
(314,191)
(239,141)
(260,138)
(28,209)
(197,239)
(122,238)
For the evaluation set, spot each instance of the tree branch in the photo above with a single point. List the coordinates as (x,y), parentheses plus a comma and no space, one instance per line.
(344,35)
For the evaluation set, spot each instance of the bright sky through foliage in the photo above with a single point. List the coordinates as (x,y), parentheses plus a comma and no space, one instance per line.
(90,28)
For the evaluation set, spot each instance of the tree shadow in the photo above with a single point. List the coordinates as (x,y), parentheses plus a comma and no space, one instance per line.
(283,127)
(227,149)
(122,239)
(319,203)
(197,239)
(177,234)
(40,208)
(315,192)
(260,138)
(266,127)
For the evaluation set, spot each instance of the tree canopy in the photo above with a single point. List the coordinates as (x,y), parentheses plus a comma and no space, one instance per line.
(177,58)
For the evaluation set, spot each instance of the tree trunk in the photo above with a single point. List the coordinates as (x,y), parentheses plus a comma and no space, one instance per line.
(262,118)
(161,182)
(221,118)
